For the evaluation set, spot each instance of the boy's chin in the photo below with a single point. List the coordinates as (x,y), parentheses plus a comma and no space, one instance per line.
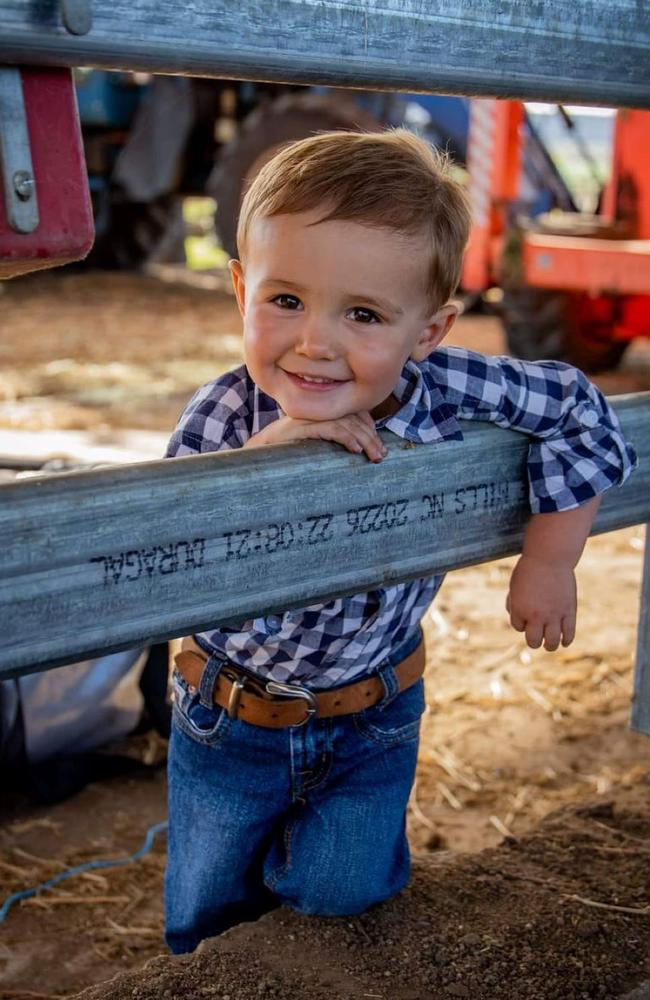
(323,409)
(317,408)
(314,413)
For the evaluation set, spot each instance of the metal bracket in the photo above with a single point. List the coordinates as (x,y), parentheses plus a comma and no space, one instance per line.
(16,167)
(77,16)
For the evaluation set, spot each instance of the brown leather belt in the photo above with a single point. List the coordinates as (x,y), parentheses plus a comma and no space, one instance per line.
(276,705)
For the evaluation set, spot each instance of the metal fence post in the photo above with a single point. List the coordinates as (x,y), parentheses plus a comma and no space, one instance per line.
(641,699)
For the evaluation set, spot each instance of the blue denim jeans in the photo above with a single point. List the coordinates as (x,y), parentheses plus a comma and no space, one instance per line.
(312,817)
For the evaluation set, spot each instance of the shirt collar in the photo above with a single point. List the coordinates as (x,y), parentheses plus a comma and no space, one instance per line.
(423,416)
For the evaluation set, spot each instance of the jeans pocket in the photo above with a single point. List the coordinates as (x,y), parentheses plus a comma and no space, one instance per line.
(395,723)
(204,725)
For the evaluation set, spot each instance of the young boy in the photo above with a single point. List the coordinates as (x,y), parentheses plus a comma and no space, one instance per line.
(295,736)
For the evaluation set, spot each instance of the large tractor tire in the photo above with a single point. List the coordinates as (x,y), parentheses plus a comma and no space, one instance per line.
(262,134)
(542,325)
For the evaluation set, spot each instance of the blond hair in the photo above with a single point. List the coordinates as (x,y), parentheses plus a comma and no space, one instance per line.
(392,180)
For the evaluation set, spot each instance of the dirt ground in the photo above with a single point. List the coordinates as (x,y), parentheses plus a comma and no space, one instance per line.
(538,917)
(510,734)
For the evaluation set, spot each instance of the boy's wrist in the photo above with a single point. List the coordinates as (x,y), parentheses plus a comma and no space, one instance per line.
(558,538)
(551,557)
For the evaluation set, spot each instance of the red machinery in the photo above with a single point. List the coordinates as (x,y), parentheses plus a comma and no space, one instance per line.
(45,211)
(575,287)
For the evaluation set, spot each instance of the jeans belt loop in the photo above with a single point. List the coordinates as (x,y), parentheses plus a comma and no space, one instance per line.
(210,673)
(238,686)
(390,683)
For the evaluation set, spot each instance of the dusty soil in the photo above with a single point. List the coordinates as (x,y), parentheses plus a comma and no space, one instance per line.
(510,734)
(561,914)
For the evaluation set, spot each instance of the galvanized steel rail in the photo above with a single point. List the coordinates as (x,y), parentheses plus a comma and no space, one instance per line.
(107,559)
(554,50)
(104,560)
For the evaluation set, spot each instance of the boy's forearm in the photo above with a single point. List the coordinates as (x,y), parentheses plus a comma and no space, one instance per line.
(560,537)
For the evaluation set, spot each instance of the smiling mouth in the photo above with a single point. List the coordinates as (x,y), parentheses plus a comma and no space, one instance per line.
(315,382)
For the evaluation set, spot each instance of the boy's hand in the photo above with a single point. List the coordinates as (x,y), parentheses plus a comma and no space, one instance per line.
(356,432)
(542,602)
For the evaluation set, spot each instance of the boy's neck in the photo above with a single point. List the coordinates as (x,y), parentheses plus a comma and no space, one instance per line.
(387,408)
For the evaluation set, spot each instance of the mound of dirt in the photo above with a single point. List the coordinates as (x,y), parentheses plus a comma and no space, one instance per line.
(561,914)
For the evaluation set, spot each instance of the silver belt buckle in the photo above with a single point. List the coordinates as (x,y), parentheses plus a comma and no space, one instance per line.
(294,691)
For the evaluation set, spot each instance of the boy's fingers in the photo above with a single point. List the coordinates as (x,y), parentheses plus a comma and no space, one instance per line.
(517,622)
(366,418)
(552,634)
(356,439)
(568,629)
(362,419)
(352,440)
(365,424)
(351,432)
(366,436)
(534,634)
(336,431)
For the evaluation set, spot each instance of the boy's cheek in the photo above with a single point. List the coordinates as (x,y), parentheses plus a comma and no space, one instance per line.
(254,346)
(261,336)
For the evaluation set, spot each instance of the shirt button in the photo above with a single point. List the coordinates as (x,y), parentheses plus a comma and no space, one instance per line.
(274,622)
(589,417)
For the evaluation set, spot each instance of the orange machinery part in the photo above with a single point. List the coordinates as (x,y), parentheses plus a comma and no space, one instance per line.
(627,195)
(597,266)
(493,162)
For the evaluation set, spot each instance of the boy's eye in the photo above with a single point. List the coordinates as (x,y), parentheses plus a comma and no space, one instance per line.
(287,301)
(362,315)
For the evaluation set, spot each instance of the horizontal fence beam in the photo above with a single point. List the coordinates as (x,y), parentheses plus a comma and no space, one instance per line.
(109,559)
(556,50)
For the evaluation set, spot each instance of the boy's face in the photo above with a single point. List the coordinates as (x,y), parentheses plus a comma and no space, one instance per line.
(332,312)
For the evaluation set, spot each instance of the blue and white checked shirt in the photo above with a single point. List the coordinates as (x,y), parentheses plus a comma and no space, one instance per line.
(576,452)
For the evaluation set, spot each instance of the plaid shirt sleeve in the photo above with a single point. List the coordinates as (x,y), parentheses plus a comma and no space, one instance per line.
(577,450)
(215,419)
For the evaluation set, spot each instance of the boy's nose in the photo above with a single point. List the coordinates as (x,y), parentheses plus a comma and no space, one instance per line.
(315,341)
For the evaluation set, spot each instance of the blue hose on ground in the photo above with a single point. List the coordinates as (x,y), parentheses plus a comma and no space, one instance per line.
(86,867)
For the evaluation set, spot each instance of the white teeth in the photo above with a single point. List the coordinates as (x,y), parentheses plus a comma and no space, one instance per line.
(311,378)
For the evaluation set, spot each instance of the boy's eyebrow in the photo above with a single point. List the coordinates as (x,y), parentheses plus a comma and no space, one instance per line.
(382,304)
(283,281)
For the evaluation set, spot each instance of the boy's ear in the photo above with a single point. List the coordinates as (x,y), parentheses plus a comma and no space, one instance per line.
(238,283)
(437,328)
